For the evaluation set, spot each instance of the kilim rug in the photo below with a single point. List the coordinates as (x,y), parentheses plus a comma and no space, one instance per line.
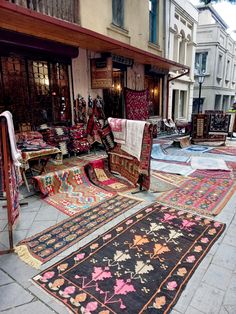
(206,196)
(70,191)
(173,179)
(99,174)
(140,266)
(225,150)
(219,124)
(232,166)
(159,153)
(220,174)
(45,245)
(136,104)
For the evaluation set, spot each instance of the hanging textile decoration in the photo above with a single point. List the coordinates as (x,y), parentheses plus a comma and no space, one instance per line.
(14,175)
(219,124)
(80,110)
(136,104)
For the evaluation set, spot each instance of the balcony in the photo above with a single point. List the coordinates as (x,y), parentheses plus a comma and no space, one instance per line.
(67,10)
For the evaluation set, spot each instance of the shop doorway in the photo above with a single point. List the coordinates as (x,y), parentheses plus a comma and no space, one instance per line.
(34,90)
(154,85)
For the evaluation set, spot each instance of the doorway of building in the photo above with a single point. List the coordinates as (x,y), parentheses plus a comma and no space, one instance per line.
(34,90)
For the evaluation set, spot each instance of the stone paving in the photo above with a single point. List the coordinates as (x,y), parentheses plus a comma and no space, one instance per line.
(212,288)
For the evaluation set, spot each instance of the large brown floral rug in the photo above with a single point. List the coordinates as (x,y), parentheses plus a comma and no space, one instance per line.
(140,266)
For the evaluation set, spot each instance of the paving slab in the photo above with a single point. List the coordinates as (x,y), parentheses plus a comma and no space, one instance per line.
(225,257)
(230,296)
(217,276)
(207,299)
(12,295)
(4,278)
(35,307)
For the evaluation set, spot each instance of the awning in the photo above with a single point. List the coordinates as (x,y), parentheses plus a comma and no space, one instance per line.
(22,20)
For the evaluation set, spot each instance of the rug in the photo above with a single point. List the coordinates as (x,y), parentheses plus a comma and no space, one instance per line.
(136,104)
(183,170)
(43,246)
(219,124)
(99,174)
(206,196)
(232,167)
(225,150)
(173,179)
(220,174)
(70,191)
(159,153)
(208,163)
(140,266)
(197,148)
(118,127)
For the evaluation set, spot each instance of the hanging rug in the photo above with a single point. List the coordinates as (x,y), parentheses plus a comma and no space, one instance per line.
(140,266)
(42,247)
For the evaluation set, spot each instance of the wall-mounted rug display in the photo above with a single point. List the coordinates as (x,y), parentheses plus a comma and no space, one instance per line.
(139,266)
(70,191)
(206,196)
(42,247)
(136,104)
(99,174)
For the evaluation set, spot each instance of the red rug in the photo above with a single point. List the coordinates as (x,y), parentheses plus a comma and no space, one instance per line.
(140,266)
(99,174)
(206,196)
(70,191)
(136,104)
(225,150)
(219,174)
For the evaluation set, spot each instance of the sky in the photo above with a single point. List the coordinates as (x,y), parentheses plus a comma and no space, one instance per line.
(228,13)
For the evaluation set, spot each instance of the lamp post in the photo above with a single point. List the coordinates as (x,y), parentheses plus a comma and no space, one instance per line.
(201,77)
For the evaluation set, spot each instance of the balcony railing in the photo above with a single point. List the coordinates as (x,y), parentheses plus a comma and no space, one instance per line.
(67,10)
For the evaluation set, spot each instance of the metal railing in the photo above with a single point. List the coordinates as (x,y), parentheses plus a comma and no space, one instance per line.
(67,10)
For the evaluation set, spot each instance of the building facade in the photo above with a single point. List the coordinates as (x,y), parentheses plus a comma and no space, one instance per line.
(53,51)
(180,47)
(216,59)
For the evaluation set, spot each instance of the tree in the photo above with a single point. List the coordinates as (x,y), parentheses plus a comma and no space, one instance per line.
(211,1)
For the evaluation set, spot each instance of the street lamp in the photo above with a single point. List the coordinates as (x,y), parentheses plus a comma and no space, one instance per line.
(201,77)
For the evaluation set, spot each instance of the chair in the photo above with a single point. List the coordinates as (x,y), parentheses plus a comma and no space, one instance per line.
(170,126)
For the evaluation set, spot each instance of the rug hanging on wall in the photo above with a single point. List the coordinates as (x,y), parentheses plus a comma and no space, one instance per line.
(206,196)
(99,174)
(47,244)
(70,191)
(136,104)
(140,266)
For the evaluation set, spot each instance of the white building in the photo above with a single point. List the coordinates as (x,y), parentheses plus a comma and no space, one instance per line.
(180,47)
(216,57)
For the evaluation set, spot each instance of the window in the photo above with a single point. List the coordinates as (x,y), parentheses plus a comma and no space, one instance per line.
(219,67)
(182,104)
(227,76)
(201,61)
(118,12)
(153,21)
